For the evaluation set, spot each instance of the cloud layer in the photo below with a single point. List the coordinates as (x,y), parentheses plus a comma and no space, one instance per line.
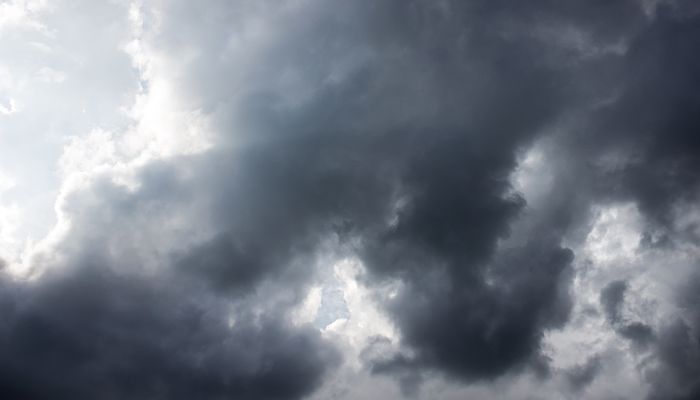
(487,198)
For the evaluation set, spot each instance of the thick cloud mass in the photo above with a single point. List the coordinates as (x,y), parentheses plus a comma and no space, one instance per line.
(99,335)
(271,137)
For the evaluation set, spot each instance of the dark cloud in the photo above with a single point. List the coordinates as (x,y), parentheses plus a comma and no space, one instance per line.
(582,375)
(648,127)
(678,350)
(474,330)
(676,347)
(391,129)
(406,157)
(639,142)
(102,322)
(612,298)
(638,333)
(98,334)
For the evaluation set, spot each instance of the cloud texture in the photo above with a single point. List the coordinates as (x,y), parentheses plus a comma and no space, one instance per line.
(515,183)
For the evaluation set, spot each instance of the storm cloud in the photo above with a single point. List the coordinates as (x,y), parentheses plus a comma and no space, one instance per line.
(512,182)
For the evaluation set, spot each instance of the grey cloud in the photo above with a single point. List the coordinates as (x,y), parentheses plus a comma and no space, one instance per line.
(582,375)
(103,335)
(611,298)
(476,331)
(649,123)
(639,333)
(103,323)
(678,349)
(649,126)
(392,129)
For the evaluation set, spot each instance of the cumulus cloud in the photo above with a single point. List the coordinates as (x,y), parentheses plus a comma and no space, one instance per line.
(273,200)
(96,334)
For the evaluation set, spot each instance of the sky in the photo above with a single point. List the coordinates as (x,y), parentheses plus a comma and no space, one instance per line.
(349,200)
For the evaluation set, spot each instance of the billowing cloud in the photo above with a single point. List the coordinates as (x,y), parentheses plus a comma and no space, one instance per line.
(96,334)
(266,200)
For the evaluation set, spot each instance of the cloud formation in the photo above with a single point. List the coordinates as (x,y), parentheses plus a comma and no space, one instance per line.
(499,173)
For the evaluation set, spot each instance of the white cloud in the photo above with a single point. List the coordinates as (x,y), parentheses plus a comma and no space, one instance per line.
(21,14)
(9,108)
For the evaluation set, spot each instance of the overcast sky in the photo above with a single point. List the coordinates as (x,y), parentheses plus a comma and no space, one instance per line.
(349,200)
